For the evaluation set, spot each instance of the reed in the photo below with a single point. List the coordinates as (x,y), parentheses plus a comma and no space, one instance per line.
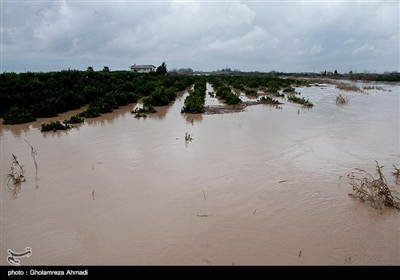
(348,87)
(188,137)
(341,99)
(16,173)
(33,154)
(373,190)
(205,198)
(396,174)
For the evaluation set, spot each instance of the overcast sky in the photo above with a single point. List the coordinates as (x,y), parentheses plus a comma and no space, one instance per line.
(285,36)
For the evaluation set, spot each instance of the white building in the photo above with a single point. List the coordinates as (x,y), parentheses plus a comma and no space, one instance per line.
(143,68)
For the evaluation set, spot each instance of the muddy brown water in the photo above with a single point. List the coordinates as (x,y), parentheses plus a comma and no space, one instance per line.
(266,186)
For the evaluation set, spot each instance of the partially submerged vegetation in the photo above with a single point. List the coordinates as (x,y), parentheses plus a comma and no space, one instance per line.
(24,97)
(374,87)
(27,96)
(74,120)
(268,100)
(194,102)
(223,91)
(160,96)
(54,126)
(341,99)
(142,112)
(251,92)
(300,100)
(33,154)
(188,137)
(16,173)
(396,172)
(374,190)
(348,87)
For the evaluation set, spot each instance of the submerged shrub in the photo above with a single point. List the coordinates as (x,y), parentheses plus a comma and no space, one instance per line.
(302,100)
(142,112)
(16,173)
(251,92)
(57,125)
(16,115)
(188,137)
(194,102)
(341,99)
(268,99)
(373,190)
(74,119)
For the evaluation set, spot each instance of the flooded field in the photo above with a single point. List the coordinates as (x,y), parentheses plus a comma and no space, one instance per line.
(266,186)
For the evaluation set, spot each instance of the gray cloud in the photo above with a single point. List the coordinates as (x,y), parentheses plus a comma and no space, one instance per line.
(204,35)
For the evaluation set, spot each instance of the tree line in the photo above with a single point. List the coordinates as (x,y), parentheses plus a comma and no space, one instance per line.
(24,97)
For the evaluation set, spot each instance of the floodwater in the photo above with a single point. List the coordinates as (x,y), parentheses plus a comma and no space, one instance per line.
(266,186)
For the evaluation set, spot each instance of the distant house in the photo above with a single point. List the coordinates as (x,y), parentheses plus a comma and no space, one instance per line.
(326,72)
(143,68)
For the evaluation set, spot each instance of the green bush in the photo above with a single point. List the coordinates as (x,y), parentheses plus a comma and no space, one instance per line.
(16,115)
(54,126)
(251,92)
(267,99)
(299,100)
(74,119)
(161,96)
(142,112)
(194,102)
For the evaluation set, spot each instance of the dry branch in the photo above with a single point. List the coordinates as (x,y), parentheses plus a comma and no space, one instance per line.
(373,190)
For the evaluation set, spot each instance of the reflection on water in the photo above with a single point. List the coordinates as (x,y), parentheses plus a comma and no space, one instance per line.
(263,186)
(211,97)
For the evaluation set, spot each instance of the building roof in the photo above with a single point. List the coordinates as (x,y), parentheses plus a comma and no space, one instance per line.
(142,66)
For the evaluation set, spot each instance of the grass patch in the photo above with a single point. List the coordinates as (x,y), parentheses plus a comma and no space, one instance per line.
(348,87)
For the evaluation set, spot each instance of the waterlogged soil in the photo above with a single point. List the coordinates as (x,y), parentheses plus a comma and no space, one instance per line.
(264,185)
